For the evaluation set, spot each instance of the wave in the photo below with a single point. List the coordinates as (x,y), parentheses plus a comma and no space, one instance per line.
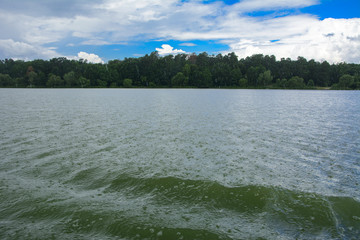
(300,214)
(104,206)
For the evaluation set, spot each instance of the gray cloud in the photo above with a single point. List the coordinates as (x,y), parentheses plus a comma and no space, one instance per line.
(329,35)
(48,8)
(355,38)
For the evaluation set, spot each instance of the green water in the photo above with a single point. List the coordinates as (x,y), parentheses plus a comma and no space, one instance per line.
(179,164)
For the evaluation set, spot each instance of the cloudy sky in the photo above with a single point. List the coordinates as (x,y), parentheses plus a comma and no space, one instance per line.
(102,30)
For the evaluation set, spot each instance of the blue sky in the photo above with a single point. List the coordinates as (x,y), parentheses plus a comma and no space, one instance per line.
(102,30)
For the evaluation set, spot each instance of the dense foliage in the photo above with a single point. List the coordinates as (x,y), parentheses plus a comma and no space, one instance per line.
(202,70)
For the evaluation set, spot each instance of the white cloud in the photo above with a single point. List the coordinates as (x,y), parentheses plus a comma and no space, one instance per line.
(334,40)
(90,57)
(20,50)
(103,22)
(167,49)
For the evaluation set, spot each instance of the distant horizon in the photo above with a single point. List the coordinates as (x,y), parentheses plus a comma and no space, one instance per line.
(103,30)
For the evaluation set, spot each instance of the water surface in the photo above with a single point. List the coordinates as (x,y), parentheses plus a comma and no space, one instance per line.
(179,164)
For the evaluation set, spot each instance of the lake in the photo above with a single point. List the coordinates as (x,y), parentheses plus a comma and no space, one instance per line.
(179,164)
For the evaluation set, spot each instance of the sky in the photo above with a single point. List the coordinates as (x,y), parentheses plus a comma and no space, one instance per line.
(103,30)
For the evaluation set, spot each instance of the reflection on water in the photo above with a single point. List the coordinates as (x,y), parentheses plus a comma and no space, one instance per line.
(179,164)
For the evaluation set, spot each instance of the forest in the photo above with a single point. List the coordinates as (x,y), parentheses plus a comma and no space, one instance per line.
(181,71)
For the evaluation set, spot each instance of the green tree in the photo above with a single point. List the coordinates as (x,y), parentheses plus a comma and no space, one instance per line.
(221,73)
(205,78)
(310,83)
(144,81)
(113,85)
(356,84)
(345,81)
(5,80)
(235,76)
(40,79)
(70,79)
(187,70)
(324,74)
(281,83)
(178,80)
(243,82)
(265,78)
(83,82)
(101,83)
(31,78)
(54,81)
(127,82)
(295,83)
(253,75)
(20,82)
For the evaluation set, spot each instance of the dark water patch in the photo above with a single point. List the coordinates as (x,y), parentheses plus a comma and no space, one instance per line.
(153,232)
(18,230)
(303,214)
(90,178)
(47,153)
(121,225)
(210,194)
(32,202)
(104,149)
(43,210)
(347,213)
(87,222)
(84,176)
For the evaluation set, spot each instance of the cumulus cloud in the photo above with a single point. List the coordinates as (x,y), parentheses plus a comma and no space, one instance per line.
(20,50)
(167,49)
(333,40)
(90,57)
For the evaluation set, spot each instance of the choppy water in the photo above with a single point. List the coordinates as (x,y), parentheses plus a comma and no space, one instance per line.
(179,164)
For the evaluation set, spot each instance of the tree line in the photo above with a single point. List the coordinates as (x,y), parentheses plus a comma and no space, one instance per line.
(182,70)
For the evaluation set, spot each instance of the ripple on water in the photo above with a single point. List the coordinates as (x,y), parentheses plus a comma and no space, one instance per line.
(181,164)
